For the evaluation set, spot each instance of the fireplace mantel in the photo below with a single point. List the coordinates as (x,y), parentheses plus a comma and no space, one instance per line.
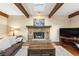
(38,26)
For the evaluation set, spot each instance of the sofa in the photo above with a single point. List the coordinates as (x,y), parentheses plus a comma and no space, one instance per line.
(10,45)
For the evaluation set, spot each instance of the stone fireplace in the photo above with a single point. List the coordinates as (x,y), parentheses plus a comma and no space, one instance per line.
(38,32)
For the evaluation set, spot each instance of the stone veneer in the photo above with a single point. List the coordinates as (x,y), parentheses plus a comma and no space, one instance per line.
(32,29)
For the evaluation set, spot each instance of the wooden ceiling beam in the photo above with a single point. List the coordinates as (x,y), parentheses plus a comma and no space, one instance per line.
(22,9)
(3,14)
(73,14)
(54,10)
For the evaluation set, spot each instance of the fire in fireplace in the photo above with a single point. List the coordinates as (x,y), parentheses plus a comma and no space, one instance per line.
(38,35)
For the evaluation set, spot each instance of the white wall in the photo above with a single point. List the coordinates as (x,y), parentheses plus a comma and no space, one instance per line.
(74,21)
(3,26)
(19,22)
(56,22)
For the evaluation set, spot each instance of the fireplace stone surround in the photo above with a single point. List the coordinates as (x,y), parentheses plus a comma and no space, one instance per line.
(36,29)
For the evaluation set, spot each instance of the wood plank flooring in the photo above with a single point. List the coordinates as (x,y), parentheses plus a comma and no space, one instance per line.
(71,49)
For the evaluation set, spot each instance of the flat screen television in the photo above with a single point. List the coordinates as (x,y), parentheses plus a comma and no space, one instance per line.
(69,32)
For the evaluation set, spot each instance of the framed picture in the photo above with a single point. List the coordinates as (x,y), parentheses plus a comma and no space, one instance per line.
(38,22)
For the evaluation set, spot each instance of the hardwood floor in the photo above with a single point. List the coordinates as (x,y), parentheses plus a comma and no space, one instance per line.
(71,49)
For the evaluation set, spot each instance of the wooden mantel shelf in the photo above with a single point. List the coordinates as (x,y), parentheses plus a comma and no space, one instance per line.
(38,26)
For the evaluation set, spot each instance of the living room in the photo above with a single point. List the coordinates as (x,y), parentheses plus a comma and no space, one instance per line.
(37,24)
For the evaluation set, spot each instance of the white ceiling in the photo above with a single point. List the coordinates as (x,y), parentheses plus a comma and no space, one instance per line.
(67,9)
(10,9)
(44,9)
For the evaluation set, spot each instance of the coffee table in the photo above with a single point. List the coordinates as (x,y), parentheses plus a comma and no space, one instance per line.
(41,50)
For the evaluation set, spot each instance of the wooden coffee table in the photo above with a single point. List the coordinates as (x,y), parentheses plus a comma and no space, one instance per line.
(41,50)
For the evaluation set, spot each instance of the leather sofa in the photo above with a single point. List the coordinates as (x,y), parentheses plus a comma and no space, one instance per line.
(10,45)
